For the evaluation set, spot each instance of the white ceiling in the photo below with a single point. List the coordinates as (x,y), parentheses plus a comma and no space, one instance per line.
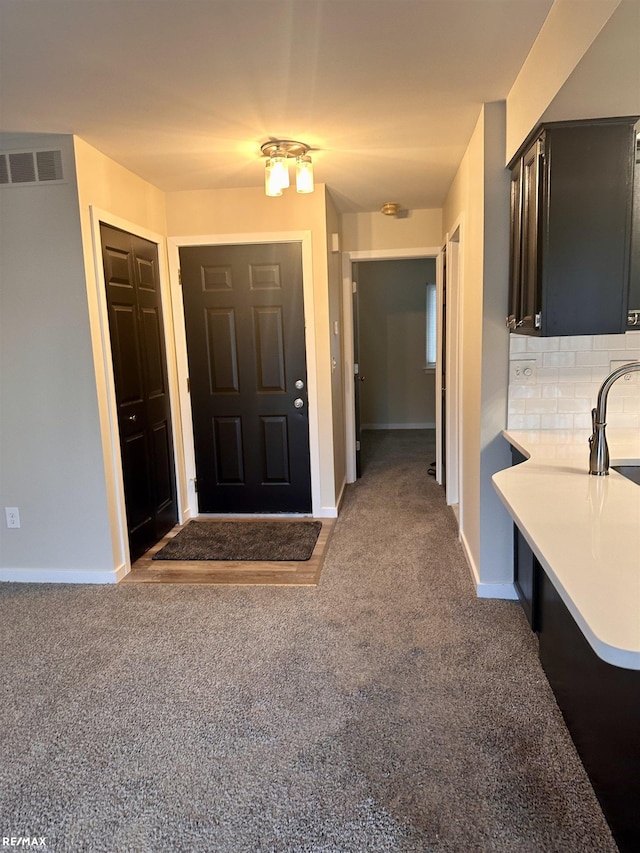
(183,92)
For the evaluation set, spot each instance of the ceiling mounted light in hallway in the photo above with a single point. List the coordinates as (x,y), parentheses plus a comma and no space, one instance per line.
(279,153)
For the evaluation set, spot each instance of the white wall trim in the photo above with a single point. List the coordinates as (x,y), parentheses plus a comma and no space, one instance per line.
(348,258)
(475,574)
(484,589)
(302,237)
(63,575)
(113,461)
(438,369)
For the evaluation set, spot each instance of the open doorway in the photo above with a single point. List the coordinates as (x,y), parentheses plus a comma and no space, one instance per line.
(394,327)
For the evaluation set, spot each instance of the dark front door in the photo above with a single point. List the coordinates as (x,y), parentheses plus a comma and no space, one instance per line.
(244,317)
(142,394)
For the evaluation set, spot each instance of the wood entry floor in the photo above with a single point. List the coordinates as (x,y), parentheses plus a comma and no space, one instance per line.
(301,573)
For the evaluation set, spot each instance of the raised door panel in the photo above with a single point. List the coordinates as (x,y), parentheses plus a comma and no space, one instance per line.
(222,351)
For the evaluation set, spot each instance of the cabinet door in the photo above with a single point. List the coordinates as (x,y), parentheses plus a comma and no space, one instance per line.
(526,577)
(530,272)
(633,316)
(515,288)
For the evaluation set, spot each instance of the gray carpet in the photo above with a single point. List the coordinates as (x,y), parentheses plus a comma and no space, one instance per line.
(243,540)
(386,710)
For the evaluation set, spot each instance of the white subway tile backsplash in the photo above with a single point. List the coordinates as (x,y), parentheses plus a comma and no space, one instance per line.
(576,374)
(609,342)
(521,392)
(524,422)
(517,344)
(582,422)
(540,406)
(547,374)
(593,359)
(569,373)
(623,420)
(543,344)
(558,359)
(556,421)
(577,343)
(577,405)
(559,389)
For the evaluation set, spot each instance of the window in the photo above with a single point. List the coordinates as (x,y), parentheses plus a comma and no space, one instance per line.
(431,324)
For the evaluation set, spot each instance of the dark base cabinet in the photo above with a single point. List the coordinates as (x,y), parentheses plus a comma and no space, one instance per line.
(526,577)
(601,706)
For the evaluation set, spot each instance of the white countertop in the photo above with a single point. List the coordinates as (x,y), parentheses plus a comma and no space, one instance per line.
(584,530)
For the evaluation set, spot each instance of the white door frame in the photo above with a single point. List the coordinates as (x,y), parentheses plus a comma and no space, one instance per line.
(454,393)
(103,360)
(304,238)
(348,259)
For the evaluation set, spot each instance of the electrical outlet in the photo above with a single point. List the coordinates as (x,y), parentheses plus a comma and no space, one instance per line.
(523,372)
(13,516)
(628,378)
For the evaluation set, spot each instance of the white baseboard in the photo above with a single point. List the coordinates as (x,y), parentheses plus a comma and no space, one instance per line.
(327,512)
(62,576)
(398,426)
(475,574)
(497,590)
(486,590)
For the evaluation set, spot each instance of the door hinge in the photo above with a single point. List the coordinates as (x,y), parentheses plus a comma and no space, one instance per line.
(180,277)
(354,286)
(356,369)
(538,320)
(357,445)
(188,385)
(195,484)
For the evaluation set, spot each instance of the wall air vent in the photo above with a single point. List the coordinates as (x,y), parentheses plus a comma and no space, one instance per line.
(30,167)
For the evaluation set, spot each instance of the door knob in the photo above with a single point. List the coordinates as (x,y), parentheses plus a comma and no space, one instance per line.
(298,402)
(362,378)
(299,384)
(132,418)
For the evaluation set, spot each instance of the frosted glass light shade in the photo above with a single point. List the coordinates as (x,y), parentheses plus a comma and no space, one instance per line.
(304,174)
(280,171)
(271,185)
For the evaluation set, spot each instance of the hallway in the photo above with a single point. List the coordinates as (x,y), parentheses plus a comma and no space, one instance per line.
(388,709)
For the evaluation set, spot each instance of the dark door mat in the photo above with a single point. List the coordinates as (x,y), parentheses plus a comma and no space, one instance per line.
(263,541)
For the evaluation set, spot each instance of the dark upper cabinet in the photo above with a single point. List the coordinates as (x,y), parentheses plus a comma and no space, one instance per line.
(571,214)
(633,313)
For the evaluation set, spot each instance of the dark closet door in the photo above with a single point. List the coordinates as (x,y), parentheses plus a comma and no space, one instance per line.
(142,394)
(244,318)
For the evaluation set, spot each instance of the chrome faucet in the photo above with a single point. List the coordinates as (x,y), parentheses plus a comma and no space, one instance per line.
(599,455)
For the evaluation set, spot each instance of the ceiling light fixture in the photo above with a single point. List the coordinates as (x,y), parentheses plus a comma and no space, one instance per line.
(390,208)
(279,152)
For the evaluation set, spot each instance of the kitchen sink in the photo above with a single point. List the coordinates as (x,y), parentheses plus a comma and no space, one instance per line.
(631,472)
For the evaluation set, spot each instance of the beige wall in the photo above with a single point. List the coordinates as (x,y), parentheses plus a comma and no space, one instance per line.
(209,213)
(50,453)
(606,82)
(392,321)
(121,198)
(566,35)
(478,204)
(464,206)
(363,232)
